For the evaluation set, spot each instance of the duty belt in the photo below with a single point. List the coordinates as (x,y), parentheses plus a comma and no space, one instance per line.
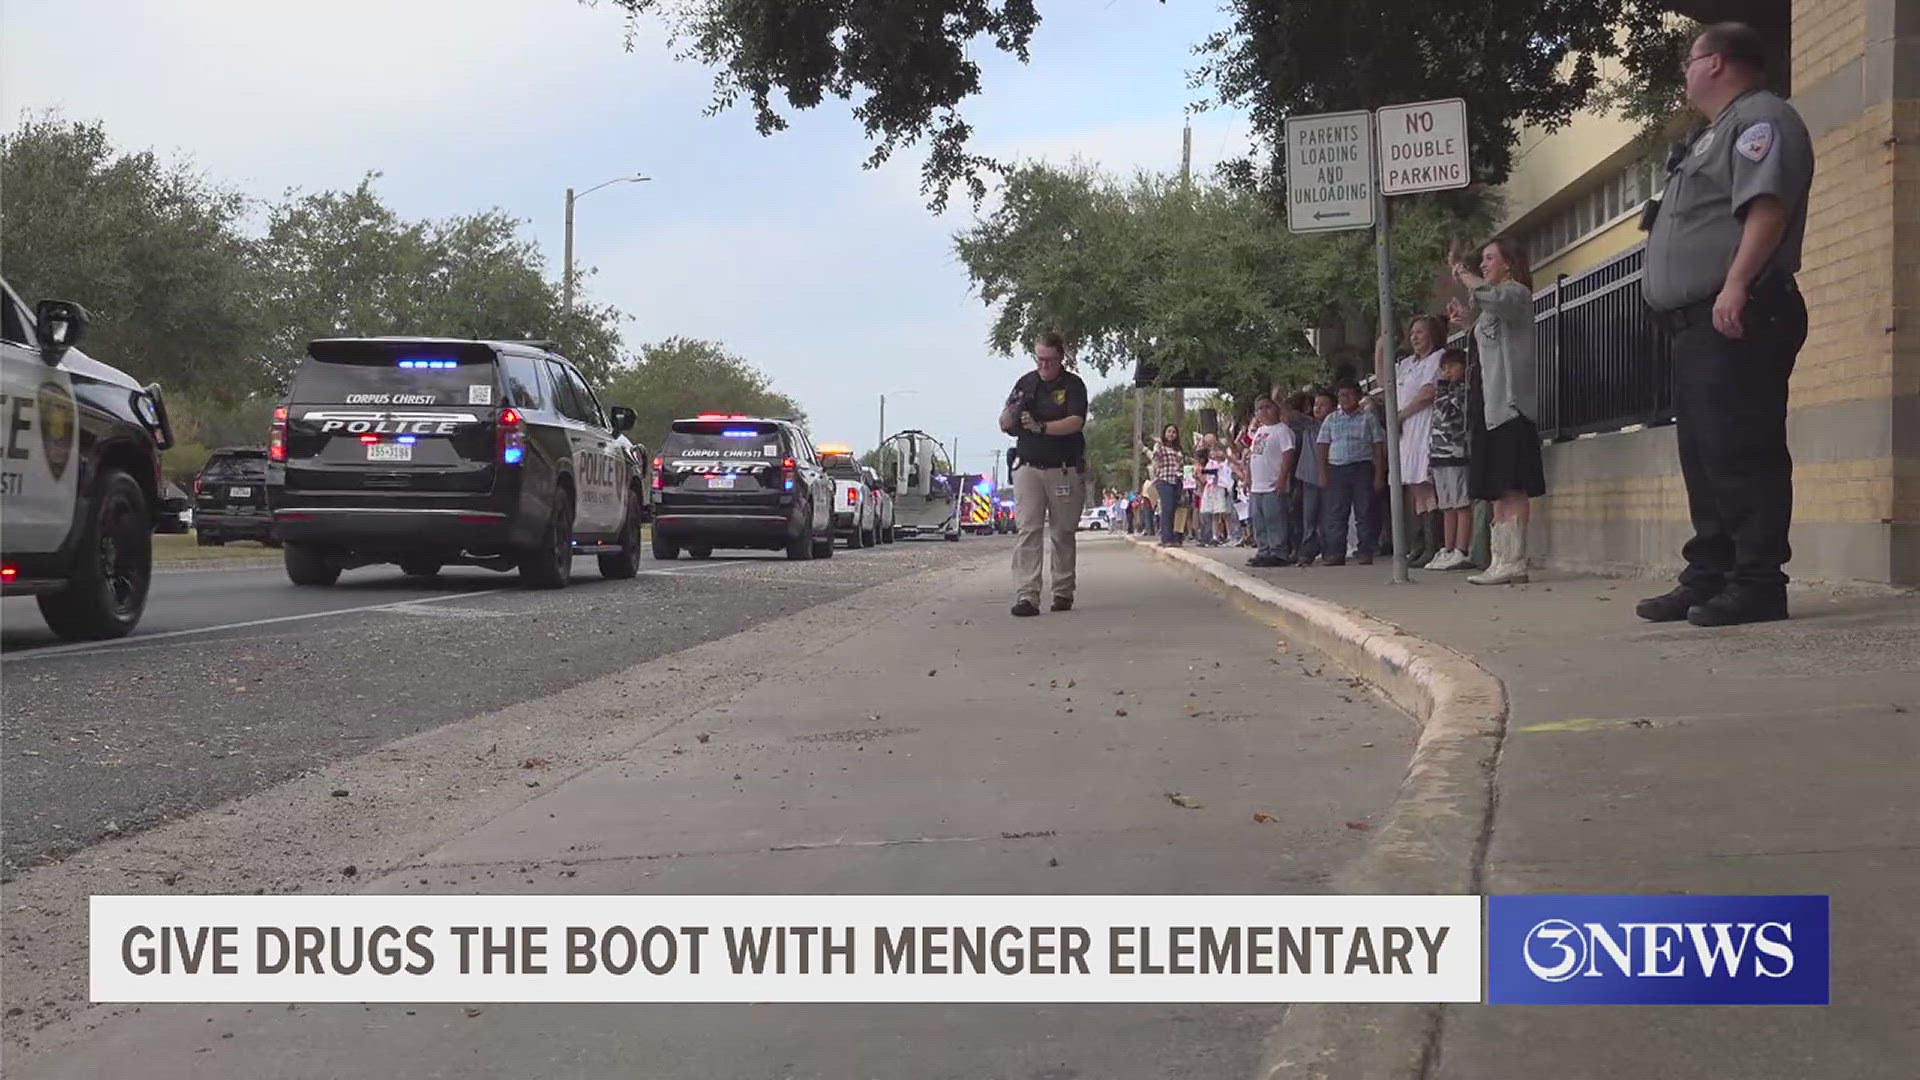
(1700,312)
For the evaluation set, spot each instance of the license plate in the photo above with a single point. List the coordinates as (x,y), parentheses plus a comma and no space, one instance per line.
(719,483)
(239,493)
(389,451)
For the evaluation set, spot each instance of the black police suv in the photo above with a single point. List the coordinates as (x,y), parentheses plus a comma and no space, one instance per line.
(230,497)
(80,474)
(731,481)
(433,451)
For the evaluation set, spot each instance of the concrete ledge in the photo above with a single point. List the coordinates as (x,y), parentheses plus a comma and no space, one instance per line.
(1432,839)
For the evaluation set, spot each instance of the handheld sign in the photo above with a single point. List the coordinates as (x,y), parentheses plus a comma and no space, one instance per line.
(1423,147)
(1330,172)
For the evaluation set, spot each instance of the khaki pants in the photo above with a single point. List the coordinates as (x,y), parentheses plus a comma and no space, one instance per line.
(1047,504)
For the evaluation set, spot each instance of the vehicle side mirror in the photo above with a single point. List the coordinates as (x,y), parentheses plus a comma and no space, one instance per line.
(623,419)
(61,325)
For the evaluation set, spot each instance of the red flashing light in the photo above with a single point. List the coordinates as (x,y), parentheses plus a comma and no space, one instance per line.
(369,438)
(721,416)
(853,496)
(277,440)
(9,572)
(509,416)
(788,471)
(510,440)
(659,475)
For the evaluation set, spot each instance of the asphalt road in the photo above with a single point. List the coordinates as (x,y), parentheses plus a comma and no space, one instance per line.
(236,679)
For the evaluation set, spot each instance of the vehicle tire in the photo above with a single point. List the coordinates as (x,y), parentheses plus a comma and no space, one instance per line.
(800,545)
(701,552)
(550,564)
(108,590)
(308,565)
(954,536)
(420,568)
(823,549)
(272,542)
(664,550)
(207,540)
(873,536)
(624,563)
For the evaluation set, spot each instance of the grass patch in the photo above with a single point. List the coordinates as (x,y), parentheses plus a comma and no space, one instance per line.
(182,547)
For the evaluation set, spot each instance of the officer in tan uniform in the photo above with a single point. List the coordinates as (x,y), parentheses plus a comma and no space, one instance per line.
(1046,412)
(1720,264)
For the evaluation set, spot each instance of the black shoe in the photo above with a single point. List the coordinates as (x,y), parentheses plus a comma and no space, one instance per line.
(1737,606)
(1334,562)
(1062,603)
(1025,608)
(1673,606)
(1365,560)
(1263,560)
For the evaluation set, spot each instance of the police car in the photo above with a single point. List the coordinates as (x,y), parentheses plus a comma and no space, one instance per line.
(433,451)
(80,479)
(724,480)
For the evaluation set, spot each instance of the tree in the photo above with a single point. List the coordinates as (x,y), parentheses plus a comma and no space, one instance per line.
(340,263)
(1200,280)
(682,377)
(907,67)
(151,249)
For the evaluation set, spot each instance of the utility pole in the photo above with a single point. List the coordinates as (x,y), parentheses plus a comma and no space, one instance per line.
(883,421)
(1186,156)
(1138,409)
(566,268)
(1384,370)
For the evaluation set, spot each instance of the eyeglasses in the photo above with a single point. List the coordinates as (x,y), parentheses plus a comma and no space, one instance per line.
(1687,64)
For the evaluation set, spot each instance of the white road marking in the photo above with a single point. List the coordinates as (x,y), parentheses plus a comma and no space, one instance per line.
(142,639)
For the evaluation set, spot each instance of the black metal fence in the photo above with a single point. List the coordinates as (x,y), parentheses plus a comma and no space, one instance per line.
(1604,361)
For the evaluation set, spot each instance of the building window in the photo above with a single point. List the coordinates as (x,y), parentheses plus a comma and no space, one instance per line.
(1618,195)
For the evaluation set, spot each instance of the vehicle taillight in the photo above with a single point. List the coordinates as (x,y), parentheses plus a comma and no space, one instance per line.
(659,475)
(853,496)
(196,485)
(511,438)
(788,471)
(276,441)
(9,572)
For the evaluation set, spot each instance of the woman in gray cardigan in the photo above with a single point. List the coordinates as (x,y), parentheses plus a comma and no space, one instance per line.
(1503,463)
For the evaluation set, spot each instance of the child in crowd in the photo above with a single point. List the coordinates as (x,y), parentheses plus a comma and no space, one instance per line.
(1310,499)
(1353,471)
(1220,495)
(1447,460)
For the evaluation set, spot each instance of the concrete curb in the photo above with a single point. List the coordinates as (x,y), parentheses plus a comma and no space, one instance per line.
(1432,839)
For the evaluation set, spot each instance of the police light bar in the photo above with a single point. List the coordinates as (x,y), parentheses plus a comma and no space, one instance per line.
(835,448)
(721,416)
(739,433)
(434,364)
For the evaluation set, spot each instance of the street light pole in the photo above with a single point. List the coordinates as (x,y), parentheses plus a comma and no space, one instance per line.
(566,273)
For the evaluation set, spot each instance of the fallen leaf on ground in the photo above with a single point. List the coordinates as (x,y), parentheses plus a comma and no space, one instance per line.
(1193,710)
(535,763)
(1264,819)
(1182,801)
(1119,712)
(1358,826)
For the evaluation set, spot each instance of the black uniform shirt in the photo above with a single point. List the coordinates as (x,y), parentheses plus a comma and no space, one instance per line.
(1063,397)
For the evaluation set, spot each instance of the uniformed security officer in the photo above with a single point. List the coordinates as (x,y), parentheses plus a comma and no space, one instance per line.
(1046,413)
(1720,260)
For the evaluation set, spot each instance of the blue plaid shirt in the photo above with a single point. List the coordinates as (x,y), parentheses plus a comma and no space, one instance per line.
(1350,436)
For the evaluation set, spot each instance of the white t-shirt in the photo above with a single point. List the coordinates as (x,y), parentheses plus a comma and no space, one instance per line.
(1269,444)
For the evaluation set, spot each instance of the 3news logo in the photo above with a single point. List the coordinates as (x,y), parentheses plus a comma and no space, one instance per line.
(1657,950)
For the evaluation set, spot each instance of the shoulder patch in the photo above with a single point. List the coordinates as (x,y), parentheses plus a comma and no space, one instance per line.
(1754,142)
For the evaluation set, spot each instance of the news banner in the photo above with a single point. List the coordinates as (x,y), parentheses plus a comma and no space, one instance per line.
(1531,950)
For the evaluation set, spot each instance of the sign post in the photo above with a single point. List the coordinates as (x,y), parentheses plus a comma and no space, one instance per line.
(1340,169)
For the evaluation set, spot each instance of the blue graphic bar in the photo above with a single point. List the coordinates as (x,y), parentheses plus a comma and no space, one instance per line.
(1657,950)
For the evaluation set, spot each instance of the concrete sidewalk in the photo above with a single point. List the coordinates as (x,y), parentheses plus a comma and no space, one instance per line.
(913,738)
(1774,758)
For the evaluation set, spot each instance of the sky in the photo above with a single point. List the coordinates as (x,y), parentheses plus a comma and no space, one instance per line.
(835,281)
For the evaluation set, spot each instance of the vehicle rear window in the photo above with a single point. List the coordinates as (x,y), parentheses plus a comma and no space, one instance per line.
(389,377)
(726,438)
(842,467)
(235,468)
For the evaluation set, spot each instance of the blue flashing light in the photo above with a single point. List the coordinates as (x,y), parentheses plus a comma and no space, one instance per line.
(513,455)
(983,488)
(739,433)
(436,365)
(789,485)
(408,439)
